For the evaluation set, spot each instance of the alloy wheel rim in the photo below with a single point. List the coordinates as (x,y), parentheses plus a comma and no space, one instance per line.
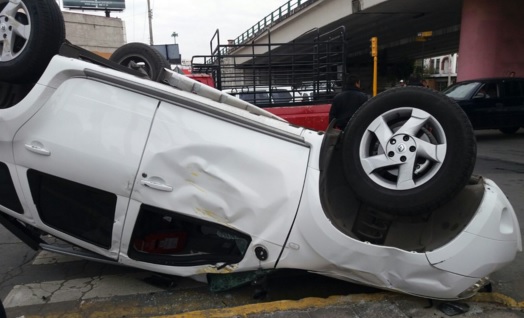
(396,163)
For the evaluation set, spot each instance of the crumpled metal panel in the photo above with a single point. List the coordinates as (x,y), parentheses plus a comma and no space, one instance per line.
(223,173)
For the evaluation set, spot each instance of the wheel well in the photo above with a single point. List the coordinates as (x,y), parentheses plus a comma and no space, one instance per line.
(359,221)
(11,94)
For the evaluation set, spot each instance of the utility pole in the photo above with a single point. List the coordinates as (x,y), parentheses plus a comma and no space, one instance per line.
(150,18)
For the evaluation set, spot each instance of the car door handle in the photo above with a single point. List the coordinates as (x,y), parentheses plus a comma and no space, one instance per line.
(38,149)
(156,185)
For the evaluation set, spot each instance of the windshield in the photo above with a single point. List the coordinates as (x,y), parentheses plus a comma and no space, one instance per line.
(461,91)
(255,98)
(262,97)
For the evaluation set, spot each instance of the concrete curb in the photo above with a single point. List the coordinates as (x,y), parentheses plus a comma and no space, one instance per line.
(308,303)
(497,298)
(283,305)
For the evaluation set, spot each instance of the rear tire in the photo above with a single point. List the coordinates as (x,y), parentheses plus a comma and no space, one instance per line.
(31,33)
(133,54)
(408,151)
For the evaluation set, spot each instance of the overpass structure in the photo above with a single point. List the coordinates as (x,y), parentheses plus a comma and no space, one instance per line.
(488,35)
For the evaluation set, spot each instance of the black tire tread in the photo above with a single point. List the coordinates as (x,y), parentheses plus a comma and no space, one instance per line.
(47,35)
(156,61)
(424,198)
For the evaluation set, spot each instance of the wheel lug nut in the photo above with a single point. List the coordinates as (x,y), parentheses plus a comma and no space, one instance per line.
(403,159)
(391,154)
(412,149)
(393,141)
(406,138)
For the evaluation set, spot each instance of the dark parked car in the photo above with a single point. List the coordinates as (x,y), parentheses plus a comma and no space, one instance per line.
(491,103)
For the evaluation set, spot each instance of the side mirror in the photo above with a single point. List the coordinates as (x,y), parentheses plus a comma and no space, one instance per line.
(479,96)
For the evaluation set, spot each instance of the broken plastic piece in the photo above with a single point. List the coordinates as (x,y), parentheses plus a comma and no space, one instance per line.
(453,308)
(224,282)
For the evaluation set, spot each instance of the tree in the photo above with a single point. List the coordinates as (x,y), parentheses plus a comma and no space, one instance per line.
(174,35)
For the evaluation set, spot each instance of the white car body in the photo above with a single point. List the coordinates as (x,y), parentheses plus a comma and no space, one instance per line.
(150,144)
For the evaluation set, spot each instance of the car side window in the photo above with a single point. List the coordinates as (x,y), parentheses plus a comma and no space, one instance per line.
(482,93)
(282,96)
(513,89)
(256,98)
(262,97)
(492,90)
(250,98)
(487,90)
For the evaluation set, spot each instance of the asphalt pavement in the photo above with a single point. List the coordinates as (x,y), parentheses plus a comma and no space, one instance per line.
(387,305)
(376,305)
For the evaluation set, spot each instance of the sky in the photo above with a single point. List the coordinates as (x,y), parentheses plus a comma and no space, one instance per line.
(195,21)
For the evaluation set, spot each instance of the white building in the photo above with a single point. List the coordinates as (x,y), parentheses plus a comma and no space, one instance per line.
(442,70)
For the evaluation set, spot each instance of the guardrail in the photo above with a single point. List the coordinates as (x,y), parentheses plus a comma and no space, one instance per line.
(284,11)
(278,15)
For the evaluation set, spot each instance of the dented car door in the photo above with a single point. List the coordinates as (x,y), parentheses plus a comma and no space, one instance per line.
(212,189)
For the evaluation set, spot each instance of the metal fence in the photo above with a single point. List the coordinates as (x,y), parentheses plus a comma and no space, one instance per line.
(307,70)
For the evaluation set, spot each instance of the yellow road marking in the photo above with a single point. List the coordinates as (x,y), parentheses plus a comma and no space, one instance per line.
(313,302)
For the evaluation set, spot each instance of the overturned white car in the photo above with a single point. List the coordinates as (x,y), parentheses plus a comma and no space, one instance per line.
(185,180)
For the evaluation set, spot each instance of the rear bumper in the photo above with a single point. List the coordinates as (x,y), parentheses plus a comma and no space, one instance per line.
(489,242)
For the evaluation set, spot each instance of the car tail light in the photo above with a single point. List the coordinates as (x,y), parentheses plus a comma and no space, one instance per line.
(161,243)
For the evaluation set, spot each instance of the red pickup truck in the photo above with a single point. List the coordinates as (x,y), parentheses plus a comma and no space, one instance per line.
(293,104)
(296,81)
(310,116)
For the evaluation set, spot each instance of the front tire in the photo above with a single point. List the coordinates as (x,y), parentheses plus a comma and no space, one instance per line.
(408,151)
(31,33)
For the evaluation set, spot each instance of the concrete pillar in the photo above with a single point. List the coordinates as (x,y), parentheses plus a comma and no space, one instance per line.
(491,39)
